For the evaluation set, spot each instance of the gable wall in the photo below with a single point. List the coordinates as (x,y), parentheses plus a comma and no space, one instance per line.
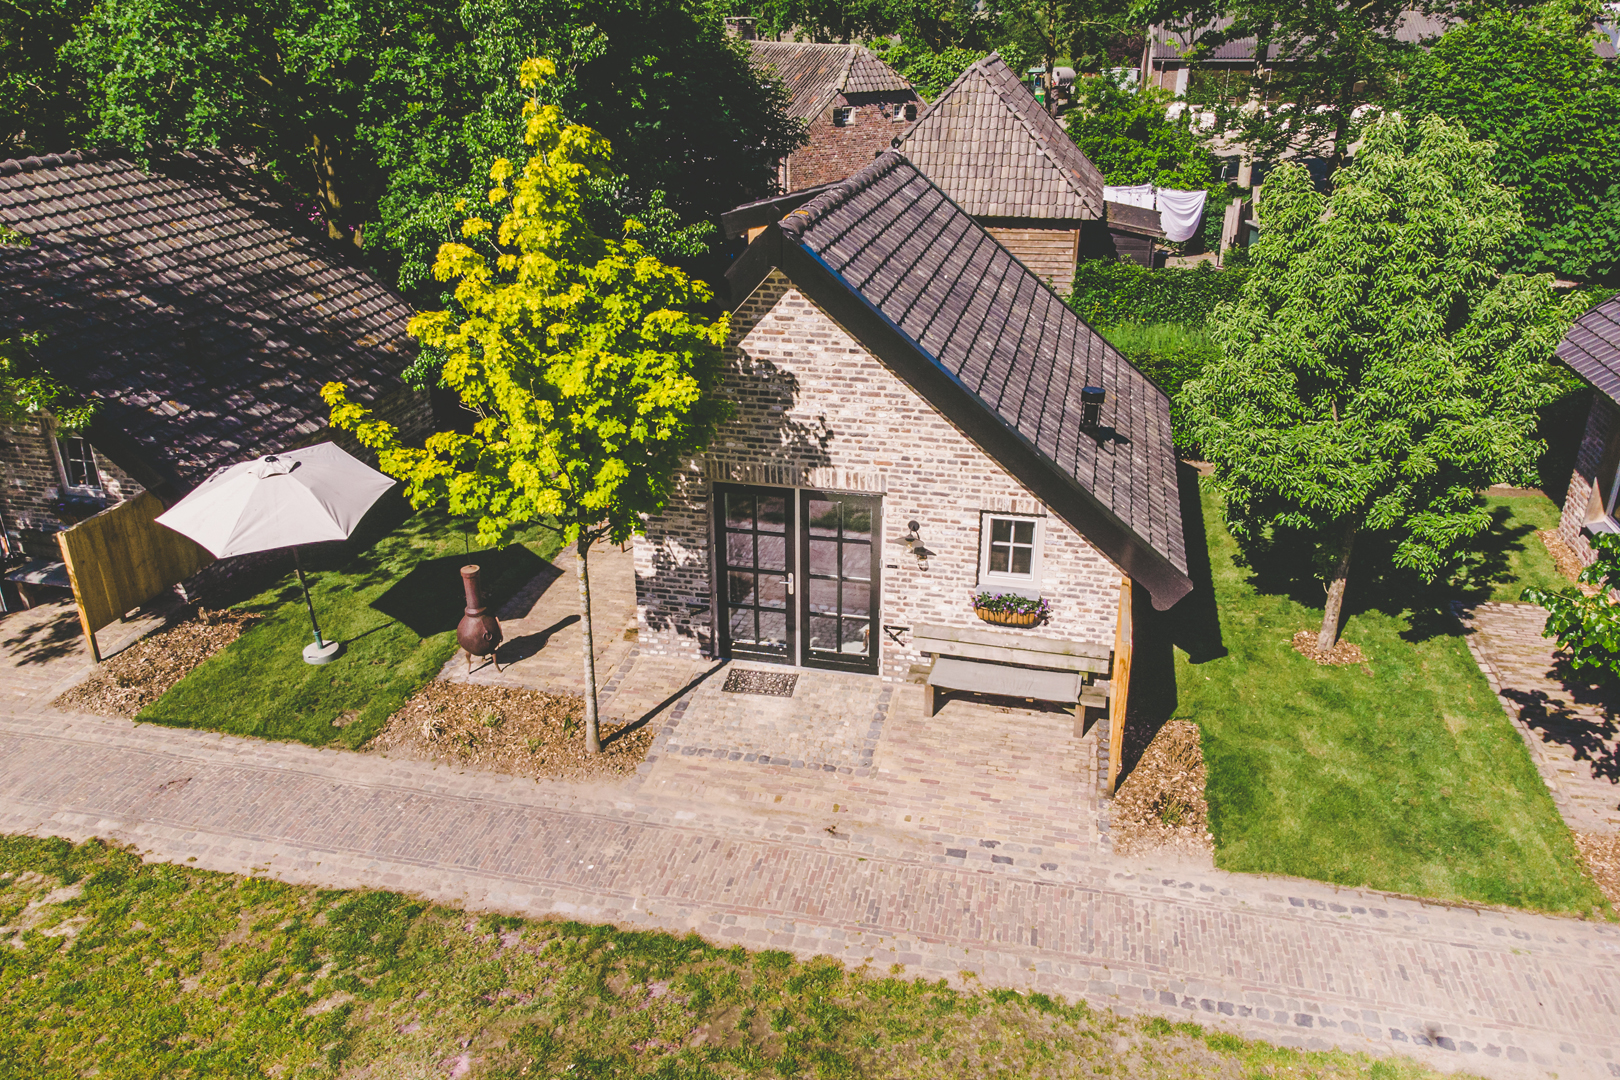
(815,409)
(1049,253)
(836,152)
(1600,426)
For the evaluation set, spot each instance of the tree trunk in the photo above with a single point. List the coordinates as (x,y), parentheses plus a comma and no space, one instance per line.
(1335,595)
(324,158)
(1147,59)
(593,740)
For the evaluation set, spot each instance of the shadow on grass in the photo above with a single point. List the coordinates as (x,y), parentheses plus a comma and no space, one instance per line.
(429,599)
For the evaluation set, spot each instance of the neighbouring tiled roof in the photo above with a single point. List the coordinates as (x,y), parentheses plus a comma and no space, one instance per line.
(202,311)
(815,73)
(992,147)
(973,309)
(1592,347)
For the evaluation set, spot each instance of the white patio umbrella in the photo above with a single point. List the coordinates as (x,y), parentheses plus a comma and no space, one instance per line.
(282,500)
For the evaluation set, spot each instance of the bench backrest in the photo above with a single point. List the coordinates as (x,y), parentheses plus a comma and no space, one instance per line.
(1013,649)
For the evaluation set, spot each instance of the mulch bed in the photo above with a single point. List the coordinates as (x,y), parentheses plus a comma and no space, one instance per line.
(517,732)
(1161,803)
(125,684)
(1602,855)
(1563,556)
(1342,653)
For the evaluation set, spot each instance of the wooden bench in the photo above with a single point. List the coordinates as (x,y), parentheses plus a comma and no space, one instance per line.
(1013,665)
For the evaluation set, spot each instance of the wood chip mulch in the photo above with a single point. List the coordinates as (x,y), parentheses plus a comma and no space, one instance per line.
(125,684)
(506,730)
(1161,804)
(1342,653)
(1602,855)
(1563,556)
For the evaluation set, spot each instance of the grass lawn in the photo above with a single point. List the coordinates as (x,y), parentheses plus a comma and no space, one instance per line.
(392,594)
(131,970)
(1405,776)
(1511,558)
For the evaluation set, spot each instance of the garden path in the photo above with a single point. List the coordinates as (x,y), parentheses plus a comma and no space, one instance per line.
(1570,725)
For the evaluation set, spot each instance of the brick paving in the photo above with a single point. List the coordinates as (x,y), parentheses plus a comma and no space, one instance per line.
(1569,725)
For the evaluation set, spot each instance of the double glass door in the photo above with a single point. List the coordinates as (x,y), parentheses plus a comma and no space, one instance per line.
(799,576)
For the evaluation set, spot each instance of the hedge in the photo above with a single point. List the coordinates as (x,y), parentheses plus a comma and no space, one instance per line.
(1112,293)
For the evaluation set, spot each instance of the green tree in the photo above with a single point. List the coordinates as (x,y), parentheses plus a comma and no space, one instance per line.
(41,96)
(1129,137)
(28,392)
(1531,81)
(592,378)
(1047,30)
(1377,371)
(929,71)
(1588,624)
(381,114)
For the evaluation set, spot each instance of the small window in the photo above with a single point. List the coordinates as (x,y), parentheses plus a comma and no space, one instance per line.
(1011,553)
(79,462)
(908,113)
(843,116)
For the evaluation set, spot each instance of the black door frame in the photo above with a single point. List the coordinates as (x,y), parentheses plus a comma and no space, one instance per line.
(722,574)
(836,661)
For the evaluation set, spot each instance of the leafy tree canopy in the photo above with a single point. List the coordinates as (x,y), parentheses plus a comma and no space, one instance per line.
(1531,81)
(382,113)
(1377,371)
(1129,137)
(592,378)
(928,70)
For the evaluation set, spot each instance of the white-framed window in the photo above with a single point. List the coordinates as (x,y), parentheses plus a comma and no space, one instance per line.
(843,116)
(1010,550)
(78,462)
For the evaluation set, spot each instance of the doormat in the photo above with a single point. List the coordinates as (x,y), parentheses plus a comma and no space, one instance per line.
(742,681)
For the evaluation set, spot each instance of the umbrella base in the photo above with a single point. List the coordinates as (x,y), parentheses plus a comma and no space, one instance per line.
(322,654)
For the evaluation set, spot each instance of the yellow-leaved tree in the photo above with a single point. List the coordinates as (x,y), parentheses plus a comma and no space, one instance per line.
(591,372)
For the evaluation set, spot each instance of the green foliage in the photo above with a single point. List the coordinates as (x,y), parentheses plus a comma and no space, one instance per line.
(1129,137)
(592,379)
(392,594)
(41,95)
(1012,604)
(1040,32)
(1404,775)
(1376,372)
(1588,625)
(1529,80)
(1171,355)
(176,972)
(929,71)
(381,114)
(1114,293)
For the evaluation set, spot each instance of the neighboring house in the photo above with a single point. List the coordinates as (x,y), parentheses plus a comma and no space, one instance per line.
(1592,503)
(850,102)
(993,148)
(204,315)
(892,363)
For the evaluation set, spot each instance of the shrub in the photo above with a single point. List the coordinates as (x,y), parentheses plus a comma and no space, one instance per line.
(1170,354)
(1011,604)
(1588,626)
(1111,293)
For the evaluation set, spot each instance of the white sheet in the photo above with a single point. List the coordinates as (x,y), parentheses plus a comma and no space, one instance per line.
(1180,212)
(1135,195)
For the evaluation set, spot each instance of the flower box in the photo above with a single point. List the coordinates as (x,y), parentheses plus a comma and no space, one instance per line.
(1010,609)
(1008,618)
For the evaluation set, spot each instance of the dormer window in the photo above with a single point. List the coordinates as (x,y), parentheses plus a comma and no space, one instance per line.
(843,116)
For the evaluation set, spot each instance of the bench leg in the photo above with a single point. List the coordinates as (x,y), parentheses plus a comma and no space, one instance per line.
(930,700)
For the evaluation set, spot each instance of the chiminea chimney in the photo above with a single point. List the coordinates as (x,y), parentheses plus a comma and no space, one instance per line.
(1091,403)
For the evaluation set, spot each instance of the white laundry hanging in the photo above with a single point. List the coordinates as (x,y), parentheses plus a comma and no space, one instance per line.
(1179,211)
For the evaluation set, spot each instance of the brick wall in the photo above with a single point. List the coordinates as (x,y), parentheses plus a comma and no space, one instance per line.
(1600,428)
(835,152)
(817,410)
(31,485)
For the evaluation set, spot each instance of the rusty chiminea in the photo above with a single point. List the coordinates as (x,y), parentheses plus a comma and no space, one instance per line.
(478,633)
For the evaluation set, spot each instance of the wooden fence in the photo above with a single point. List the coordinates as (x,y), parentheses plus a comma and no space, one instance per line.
(121,558)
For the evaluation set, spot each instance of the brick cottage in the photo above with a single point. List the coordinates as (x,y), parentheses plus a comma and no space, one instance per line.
(1592,503)
(200,310)
(892,364)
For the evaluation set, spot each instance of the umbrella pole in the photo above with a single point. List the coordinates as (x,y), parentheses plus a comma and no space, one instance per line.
(299,566)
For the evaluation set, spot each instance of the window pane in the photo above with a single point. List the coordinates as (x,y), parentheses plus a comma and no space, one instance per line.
(742,625)
(772,591)
(1000,530)
(857,562)
(823,633)
(772,628)
(1024,532)
(772,552)
(998,559)
(823,595)
(822,558)
(740,511)
(772,514)
(824,517)
(740,549)
(857,521)
(857,599)
(1021,560)
(740,588)
(855,637)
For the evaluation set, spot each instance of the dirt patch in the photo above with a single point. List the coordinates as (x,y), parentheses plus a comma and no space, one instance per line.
(1563,556)
(1602,855)
(501,729)
(125,684)
(1342,653)
(1161,804)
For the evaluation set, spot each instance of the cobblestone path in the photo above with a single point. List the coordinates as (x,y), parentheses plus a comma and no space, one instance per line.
(1496,993)
(1572,731)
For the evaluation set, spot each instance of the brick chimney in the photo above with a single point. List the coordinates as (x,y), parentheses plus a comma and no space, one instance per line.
(741,26)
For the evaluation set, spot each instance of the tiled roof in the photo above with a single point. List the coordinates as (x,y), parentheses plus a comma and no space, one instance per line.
(994,149)
(815,73)
(203,313)
(975,312)
(1592,347)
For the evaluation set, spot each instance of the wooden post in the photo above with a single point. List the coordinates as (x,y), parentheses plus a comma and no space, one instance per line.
(78,597)
(1120,684)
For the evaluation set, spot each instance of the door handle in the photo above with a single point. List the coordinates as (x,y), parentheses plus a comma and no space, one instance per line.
(790,584)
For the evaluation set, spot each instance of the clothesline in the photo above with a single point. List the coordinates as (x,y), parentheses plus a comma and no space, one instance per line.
(1179,211)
